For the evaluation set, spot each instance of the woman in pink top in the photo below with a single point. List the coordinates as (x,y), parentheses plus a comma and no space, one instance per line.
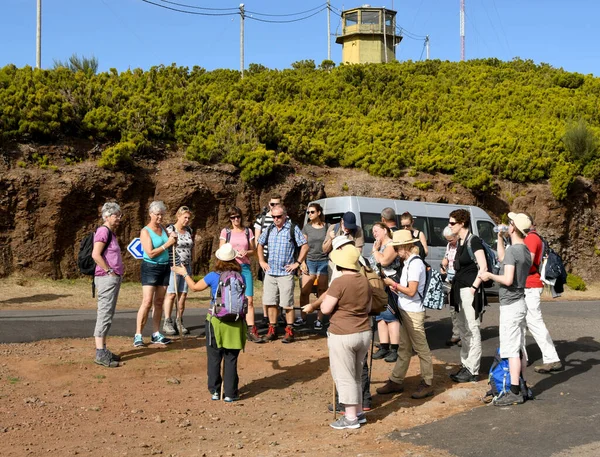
(242,240)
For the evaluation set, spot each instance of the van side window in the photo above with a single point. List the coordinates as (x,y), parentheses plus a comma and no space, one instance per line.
(486,233)
(437,226)
(367,220)
(333,219)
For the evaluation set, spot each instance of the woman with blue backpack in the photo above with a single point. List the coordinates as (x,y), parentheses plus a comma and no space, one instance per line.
(225,324)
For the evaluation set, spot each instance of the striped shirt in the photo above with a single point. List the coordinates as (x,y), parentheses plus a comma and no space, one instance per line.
(281,248)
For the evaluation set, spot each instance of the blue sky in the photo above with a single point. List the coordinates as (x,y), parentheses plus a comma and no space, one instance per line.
(130,33)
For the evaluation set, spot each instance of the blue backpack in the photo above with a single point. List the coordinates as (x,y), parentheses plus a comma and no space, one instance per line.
(230,302)
(433,296)
(499,380)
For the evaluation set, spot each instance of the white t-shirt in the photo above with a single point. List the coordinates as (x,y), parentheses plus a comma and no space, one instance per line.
(414,270)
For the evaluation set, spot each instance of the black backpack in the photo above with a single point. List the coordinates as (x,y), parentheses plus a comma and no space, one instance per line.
(86,264)
(292,240)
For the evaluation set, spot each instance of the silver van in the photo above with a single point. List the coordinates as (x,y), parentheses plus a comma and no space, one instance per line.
(430,218)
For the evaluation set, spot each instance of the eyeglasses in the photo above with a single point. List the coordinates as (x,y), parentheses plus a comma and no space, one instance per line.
(277,217)
(159,214)
(452,224)
(117,216)
(235,217)
(311,212)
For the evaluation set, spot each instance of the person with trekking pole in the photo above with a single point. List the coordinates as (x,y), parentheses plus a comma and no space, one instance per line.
(181,253)
(225,331)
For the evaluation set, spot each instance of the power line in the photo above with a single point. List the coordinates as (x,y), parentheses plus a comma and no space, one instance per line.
(290,14)
(199,7)
(286,21)
(190,12)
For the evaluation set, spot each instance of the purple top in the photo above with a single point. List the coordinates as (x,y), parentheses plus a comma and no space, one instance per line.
(112,255)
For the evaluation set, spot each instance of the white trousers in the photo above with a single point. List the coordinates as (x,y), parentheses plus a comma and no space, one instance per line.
(470,334)
(536,326)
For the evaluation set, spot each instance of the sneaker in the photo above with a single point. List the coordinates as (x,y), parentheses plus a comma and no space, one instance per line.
(231,399)
(390,387)
(168,327)
(508,399)
(271,334)
(318,325)
(253,335)
(424,390)
(343,423)
(106,361)
(549,367)
(160,339)
(391,357)
(138,342)
(289,335)
(528,395)
(362,418)
(338,408)
(452,341)
(181,327)
(381,354)
(215,396)
(464,375)
(299,322)
(114,357)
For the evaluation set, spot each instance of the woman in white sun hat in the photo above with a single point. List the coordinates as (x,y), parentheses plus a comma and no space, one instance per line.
(224,337)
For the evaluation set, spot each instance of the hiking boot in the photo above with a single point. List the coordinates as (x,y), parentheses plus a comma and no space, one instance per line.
(391,357)
(253,335)
(381,354)
(299,322)
(343,423)
(453,341)
(464,375)
(289,335)
(424,390)
(180,327)
(390,387)
(271,334)
(508,399)
(231,399)
(168,327)
(138,342)
(549,367)
(106,361)
(318,325)
(160,339)
(114,357)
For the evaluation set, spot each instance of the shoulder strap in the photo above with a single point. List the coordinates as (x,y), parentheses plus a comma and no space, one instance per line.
(268,234)
(262,222)
(247,236)
(108,238)
(407,265)
(227,235)
(293,235)
(470,249)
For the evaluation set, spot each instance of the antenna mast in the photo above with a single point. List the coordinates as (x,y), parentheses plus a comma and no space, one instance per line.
(462,30)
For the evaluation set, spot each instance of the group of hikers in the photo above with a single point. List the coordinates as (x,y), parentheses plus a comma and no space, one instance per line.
(331,259)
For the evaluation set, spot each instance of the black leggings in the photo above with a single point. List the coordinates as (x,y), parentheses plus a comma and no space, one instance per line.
(214,357)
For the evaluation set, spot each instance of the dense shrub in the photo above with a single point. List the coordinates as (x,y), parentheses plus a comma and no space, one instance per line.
(575,282)
(117,156)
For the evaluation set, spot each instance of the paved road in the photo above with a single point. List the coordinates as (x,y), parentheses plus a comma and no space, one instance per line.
(562,422)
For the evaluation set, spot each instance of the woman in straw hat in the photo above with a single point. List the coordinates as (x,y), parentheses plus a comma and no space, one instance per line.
(224,339)
(348,302)
(410,289)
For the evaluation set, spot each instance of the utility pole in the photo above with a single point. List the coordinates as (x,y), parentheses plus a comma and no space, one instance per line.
(38,47)
(328,30)
(462,30)
(427,46)
(242,39)
(384,38)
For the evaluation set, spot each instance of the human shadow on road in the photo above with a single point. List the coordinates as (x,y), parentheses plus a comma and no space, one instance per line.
(190,342)
(302,372)
(572,366)
(34,298)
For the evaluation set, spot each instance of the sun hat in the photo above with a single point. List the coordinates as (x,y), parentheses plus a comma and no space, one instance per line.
(402,237)
(340,241)
(349,219)
(346,258)
(521,221)
(226,253)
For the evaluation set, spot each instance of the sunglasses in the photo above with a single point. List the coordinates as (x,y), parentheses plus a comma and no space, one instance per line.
(235,217)
(405,226)
(278,217)
(184,208)
(273,204)
(452,224)
(311,212)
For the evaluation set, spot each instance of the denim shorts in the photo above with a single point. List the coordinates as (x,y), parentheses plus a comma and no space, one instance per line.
(387,316)
(247,275)
(155,274)
(182,286)
(317,267)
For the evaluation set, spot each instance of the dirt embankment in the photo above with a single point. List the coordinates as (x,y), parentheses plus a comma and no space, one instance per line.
(44,213)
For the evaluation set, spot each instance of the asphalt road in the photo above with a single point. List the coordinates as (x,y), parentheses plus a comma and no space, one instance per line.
(563,421)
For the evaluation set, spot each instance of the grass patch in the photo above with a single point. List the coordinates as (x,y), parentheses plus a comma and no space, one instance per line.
(576,282)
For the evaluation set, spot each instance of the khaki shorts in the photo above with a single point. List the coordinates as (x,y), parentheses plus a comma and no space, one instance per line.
(278,290)
(512,328)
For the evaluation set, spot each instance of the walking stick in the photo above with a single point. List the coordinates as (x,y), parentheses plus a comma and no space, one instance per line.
(177,302)
(372,345)
(333,399)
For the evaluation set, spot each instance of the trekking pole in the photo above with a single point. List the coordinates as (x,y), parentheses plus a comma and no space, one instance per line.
(372,345)
(177,302)
(333,399)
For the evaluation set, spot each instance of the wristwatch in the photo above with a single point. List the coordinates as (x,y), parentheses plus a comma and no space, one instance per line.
(109,271)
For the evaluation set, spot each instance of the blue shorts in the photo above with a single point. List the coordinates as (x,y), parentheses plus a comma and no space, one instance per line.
(155,274)
(182,286)
(247,275)
(387,316)
(317,267)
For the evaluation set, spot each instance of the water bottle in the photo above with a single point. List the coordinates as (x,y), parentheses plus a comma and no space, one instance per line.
(502,228)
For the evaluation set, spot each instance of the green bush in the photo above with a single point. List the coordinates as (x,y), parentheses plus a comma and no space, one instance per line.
(117,156)
(575,282)
(423,185)
(562,177)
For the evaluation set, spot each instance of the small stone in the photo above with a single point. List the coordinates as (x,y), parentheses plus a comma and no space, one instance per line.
(159,419)
(173,381)
(237,432)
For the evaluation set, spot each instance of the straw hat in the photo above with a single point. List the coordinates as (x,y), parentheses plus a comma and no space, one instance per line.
(402,237)
(226,253)
(346,257)
(340,241)
(521,221)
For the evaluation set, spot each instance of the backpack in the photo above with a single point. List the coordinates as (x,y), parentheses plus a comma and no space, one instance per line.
(433,292)
(555,267)
(493,264)
(85,262)
(499,380)
(228,235)
(230,302)
(419,244)
(292,240)
(380,296)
